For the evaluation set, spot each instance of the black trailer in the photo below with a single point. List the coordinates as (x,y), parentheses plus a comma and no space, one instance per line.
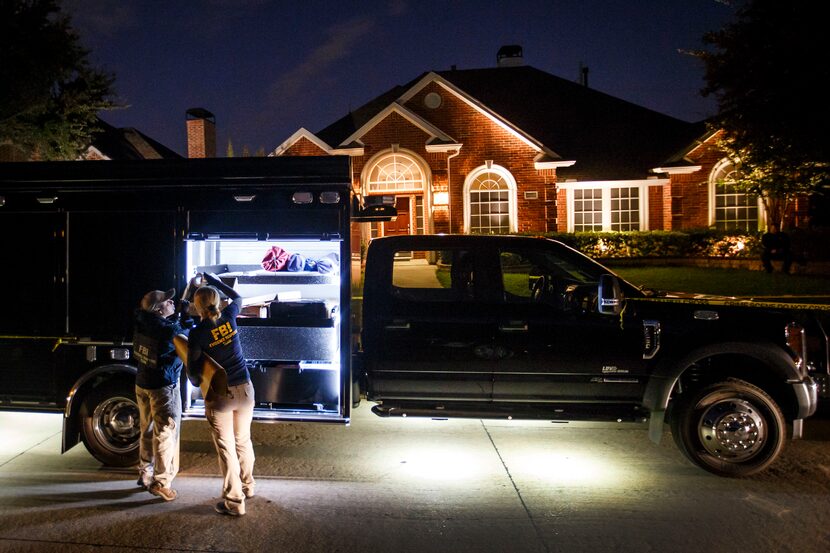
(83,241)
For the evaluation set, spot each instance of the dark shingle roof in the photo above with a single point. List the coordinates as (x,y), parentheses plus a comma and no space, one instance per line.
(128,143)
(609,138)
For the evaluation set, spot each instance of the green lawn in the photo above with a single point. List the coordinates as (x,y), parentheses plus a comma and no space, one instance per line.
(729,282)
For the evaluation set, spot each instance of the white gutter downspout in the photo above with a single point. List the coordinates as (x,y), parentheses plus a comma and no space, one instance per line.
(449,204)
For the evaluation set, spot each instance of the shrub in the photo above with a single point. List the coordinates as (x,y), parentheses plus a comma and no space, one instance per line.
(691,243)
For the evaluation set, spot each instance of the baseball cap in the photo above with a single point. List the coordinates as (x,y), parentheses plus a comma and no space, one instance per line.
(151,300)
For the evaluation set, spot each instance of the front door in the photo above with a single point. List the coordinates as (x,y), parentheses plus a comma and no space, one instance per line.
(401,224)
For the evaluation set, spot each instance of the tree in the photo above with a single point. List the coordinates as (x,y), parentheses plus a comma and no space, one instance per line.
(767,70)
(49,93)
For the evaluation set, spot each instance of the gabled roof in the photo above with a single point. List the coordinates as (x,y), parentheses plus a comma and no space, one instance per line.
(609,138)
(436,135)
(128,143)
(301,133)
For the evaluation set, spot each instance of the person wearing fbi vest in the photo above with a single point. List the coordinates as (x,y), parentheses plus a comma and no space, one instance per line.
(229,411)
(157,390)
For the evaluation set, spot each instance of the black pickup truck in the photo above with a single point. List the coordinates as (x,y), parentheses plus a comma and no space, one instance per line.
(473,326)
(519,327)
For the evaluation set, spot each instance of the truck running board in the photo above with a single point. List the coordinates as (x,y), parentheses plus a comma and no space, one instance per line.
(554,412)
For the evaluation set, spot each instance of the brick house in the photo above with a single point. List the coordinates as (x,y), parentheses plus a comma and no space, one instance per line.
(514,149)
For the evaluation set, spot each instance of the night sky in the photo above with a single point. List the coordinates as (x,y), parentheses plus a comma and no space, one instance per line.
(266,68)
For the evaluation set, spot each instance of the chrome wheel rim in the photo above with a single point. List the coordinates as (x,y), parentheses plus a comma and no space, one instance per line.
(732,429)
(116,424)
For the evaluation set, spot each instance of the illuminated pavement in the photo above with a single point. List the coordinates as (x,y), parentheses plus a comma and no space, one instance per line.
(405,485)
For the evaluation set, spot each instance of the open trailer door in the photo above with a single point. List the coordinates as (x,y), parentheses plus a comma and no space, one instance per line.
(286,252)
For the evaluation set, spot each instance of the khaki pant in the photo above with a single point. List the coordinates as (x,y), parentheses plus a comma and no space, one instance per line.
(230,419)
(160,417)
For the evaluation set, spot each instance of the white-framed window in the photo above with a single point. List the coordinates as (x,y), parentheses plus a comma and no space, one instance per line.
(395,173)
(731,208)
(625,208)
(490,201)
(608,206)
(587,209)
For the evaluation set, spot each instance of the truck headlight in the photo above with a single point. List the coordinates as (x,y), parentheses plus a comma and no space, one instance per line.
(797,342)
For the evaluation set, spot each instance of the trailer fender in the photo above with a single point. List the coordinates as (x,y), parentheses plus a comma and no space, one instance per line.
(79,390)
(668,372)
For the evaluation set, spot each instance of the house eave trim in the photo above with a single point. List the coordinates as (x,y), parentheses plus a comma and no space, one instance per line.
(347,152)
(541,165)
(302,132)
(566,185)
(685,170)
(443,148)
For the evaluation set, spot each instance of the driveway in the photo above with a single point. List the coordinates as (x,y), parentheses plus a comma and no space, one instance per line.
(417,485)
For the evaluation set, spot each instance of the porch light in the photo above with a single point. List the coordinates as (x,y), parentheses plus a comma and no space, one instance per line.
(441,198)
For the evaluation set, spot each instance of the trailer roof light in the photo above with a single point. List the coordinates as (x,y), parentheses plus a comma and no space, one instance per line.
(329,197)
(302,197)
(244,198)
(47,200)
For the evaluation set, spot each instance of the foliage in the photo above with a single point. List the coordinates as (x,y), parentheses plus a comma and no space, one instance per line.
(49,93)
(691,243)
(767,70)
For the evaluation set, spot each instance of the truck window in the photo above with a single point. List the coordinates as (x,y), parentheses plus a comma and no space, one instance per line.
(543,277)
(435,275)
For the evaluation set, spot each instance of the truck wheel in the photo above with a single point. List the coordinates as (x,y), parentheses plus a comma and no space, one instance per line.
(730,428)
(110,425)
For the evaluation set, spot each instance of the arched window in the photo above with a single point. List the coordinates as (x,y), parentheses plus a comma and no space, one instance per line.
(490,198)
(395,172)
(731,207)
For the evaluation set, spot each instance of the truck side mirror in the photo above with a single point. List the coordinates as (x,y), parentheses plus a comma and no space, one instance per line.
(609,295)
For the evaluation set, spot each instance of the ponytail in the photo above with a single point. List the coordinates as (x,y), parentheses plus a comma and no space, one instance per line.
(207,300)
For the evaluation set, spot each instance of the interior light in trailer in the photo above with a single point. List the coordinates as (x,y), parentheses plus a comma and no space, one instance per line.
(244,198)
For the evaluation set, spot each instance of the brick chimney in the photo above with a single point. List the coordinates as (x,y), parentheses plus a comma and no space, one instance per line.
(201,133)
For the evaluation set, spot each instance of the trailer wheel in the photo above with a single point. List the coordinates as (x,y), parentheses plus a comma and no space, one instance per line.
(110,425)
(729,428)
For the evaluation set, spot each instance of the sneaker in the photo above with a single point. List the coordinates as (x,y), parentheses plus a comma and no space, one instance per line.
(222,509)
(167,494)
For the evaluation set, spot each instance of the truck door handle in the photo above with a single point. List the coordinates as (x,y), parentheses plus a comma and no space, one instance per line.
(513,326)
(397,325)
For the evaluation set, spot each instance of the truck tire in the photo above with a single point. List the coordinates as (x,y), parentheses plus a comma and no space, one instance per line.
(110,425)
(729,428)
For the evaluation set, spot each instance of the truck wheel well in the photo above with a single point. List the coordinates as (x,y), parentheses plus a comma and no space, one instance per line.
(720,367)
(105,379)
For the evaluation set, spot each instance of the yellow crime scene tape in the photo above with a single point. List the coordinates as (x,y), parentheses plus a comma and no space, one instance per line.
(743,302)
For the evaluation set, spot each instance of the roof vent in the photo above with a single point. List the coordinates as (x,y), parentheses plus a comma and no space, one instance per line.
(510,56)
